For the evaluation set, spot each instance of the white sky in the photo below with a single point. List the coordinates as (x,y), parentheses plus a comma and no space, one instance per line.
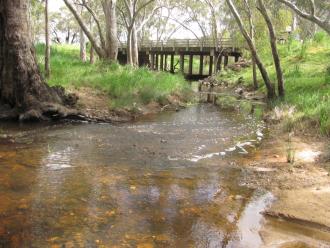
(55,5)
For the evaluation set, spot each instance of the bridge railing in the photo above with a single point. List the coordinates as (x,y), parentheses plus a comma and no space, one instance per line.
(186,43)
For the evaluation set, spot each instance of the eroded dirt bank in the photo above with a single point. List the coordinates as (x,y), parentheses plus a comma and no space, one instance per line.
(95,104)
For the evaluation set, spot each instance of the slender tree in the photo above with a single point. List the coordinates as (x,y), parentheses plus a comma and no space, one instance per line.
(82,42)
(47,37)
(273,40)
(270,88)
(252,31)
(129,13)
(107,48)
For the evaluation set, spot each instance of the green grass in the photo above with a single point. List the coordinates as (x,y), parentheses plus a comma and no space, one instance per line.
(306,68)
(126,86)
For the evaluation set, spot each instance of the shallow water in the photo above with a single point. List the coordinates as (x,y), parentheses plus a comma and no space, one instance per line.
(165,181)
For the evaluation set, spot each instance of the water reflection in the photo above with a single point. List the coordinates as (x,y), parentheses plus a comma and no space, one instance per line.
(105,186)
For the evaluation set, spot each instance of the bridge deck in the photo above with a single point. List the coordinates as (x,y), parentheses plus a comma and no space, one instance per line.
(201,46)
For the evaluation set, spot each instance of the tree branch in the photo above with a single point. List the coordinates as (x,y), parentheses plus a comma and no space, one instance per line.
(89,9)
(311,17)
(98,49)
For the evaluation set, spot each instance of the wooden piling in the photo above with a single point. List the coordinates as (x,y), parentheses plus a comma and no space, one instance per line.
(201,65)
(165,65)
(157,60)
(191,59)
(152,61)
(162,62)
(172,63)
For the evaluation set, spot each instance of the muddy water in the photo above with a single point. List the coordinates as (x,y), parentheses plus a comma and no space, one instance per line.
(165,181)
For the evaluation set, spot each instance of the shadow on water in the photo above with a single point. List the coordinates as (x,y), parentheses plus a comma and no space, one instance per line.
(165,181)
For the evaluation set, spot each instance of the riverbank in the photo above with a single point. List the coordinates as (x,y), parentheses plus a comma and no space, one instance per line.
(306,69)
(291,163)
(299,216)
(111,92)
(94,104)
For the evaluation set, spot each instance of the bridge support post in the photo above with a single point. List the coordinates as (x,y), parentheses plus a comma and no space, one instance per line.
(182,63)
(226,61)
(165,65)
(172,63)
(191,60)
(152,61)
(156,65)
(201,65)
(211,66)
(162,62)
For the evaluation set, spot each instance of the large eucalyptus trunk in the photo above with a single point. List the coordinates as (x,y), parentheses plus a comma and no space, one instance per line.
(23,92)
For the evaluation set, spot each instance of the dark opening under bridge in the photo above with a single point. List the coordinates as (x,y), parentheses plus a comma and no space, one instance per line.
(165,56)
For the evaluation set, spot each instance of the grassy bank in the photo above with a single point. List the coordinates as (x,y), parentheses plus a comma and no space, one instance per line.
(126,86)
(306,69)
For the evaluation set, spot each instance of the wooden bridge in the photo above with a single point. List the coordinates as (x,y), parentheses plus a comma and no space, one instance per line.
(165,56)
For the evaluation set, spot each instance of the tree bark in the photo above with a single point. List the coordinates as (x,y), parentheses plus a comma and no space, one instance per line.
(270,88)
(47,37)
(252,30)
(273,40)
(129,47)
(91,55)
(109,8)
(22,89)
(82,46)
(135,48)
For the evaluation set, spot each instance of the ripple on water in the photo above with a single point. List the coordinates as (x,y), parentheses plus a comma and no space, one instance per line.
(165,181)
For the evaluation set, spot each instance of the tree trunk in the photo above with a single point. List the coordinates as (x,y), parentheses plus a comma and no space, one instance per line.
(270,88)
(109,8)
(135,49)
(22,89)
(99,50)
(91,56)
(82,46)
(129,46)
(294,23)
(47,37)
(252,30)
(273,40)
